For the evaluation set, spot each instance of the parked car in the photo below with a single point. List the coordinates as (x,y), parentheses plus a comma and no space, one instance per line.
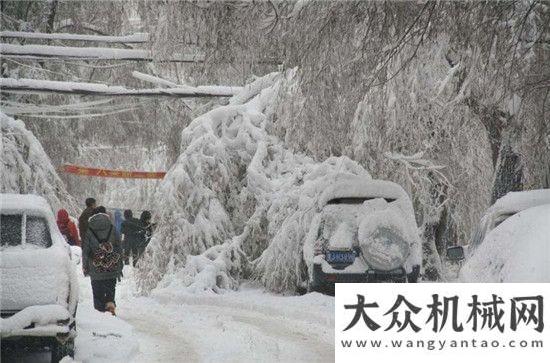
(516,250)
(364,231)
(504,208)
(39,282)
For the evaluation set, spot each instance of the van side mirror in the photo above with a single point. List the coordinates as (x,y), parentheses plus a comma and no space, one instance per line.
(455,253)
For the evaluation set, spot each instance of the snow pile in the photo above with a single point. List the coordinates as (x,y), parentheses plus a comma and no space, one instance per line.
(25,167)
(517,250)
(39,315)
(237,203)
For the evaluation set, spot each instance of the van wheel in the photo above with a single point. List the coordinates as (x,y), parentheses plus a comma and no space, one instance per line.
(61,350)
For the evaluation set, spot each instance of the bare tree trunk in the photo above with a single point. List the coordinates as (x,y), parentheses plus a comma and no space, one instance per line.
(503,134)
(51,16)
(430,258)
(509,167)
(433,228)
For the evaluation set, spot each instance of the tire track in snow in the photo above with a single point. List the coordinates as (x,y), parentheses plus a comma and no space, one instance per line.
(169,332)
(239,335)
(320,351)
(158,342)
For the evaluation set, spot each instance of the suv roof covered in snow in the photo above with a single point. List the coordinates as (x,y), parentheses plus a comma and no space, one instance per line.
(353,186)
(25,203)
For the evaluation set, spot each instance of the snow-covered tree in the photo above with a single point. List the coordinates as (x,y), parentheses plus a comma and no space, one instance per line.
(25,167)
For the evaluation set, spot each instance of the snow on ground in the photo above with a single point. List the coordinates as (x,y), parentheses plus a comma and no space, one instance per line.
(248,325)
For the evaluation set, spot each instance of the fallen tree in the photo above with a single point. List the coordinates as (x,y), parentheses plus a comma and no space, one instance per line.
(237,203)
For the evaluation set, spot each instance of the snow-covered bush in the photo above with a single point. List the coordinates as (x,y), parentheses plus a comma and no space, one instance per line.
(25,167)
(237,202)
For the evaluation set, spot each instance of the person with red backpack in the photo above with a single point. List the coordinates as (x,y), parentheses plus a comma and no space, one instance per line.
(68,228)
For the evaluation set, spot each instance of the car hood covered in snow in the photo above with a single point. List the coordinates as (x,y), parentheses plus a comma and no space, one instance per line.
(517,250)
(37,276)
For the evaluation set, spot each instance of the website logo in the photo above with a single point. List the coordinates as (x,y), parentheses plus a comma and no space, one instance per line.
(431,321)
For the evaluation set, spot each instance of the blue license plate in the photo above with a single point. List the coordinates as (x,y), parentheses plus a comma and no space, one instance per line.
(340,257)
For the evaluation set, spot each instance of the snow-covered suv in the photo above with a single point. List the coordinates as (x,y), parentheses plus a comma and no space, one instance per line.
(38,279)
(365,231)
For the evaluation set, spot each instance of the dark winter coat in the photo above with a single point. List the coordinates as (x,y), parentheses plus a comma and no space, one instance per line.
(83,221)
(101,253)
(133,232)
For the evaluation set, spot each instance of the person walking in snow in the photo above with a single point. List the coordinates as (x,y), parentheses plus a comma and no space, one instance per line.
(86,214)
(68,228)
(101,209)
(102,260)
(146,232)
(131,235)
(117,221)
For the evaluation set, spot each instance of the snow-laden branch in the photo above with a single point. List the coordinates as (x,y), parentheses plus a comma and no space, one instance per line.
(49,51)
(131,38)
(11,85)
(153,79)
(414,161)
(163,82)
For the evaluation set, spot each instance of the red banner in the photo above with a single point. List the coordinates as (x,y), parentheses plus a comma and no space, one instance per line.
(106,173)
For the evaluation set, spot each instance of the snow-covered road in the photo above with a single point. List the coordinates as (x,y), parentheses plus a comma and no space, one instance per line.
(248,325)
(169,326)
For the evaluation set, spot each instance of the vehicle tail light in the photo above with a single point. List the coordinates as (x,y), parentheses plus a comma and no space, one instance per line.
(318,248)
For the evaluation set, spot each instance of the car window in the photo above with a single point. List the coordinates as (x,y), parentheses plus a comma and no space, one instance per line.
(10,229)
(334,215)
(37,232)
(501,218)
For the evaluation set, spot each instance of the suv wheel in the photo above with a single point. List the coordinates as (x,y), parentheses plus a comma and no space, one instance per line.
(61,350)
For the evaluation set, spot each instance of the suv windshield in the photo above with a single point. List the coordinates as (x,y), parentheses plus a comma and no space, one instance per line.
(333,216)
(10,229)
(36,231)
